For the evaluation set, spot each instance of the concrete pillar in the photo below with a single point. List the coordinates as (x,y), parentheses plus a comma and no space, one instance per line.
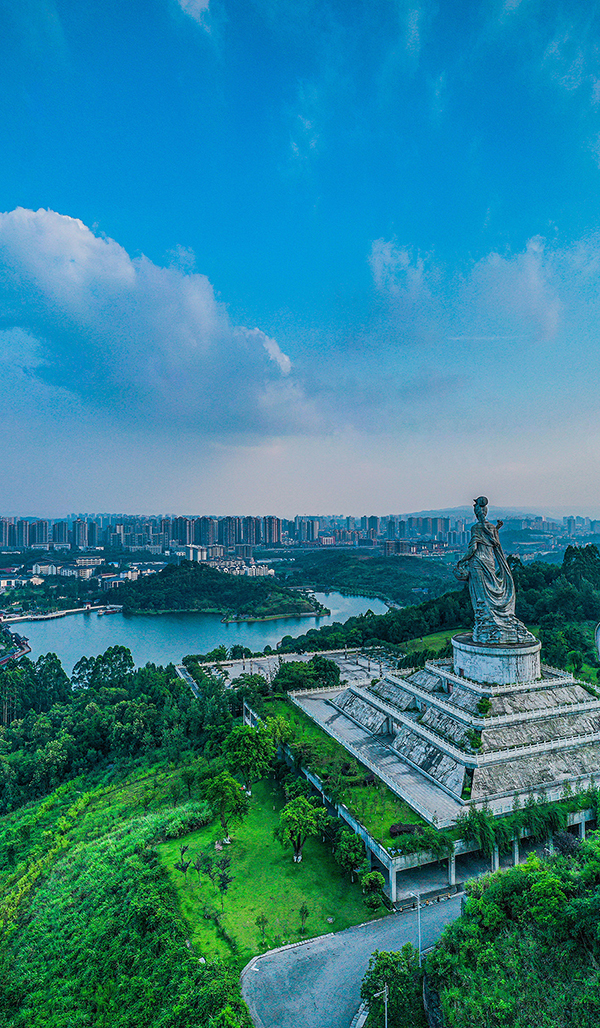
(495,858)
(582,829)
(515,845)
(392,879)
(452,869)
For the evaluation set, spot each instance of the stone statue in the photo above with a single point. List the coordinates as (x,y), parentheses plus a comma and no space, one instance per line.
(491,584)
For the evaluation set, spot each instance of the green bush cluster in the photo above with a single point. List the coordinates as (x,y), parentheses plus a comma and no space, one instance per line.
(187,819)
(526,951)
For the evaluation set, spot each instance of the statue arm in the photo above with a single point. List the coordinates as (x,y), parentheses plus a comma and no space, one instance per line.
(471,550)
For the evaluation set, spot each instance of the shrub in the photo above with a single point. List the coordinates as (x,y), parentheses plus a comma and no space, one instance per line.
(187,819)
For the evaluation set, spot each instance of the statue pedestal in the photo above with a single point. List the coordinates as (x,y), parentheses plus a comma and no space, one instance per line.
(495,664)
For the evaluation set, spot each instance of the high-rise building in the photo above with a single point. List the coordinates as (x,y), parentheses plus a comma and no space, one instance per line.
(229,531)
(182,531)
(205,531)
(60,532)
(4,527)
(39,533)
(249,531)
(80,534)
(272,528)
(22,534)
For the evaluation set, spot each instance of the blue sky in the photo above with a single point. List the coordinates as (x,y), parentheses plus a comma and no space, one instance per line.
(297,255)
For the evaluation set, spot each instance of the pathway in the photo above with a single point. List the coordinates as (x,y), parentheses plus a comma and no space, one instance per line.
(406,781)
(318,985)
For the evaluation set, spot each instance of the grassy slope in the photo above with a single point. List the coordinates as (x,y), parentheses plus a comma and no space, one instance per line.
(266,881)
(92,933)
(99,929)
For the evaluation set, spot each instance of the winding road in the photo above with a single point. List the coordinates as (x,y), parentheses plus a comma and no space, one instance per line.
(317,985)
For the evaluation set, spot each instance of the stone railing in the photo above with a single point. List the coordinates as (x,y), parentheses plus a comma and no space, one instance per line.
(481,721)
(559,678)
(539,714)
(440,667)
(528,749)
(433,699)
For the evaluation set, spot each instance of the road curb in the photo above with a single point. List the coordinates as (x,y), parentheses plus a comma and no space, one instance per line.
(280,949)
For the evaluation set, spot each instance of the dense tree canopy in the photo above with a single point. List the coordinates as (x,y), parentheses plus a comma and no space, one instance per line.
(191,586)
(368,574)
(526,953)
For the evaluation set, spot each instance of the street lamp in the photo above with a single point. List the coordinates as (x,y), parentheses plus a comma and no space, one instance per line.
(384,993)
(417,896)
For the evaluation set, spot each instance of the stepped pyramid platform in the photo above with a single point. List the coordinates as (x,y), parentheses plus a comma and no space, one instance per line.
(485,726)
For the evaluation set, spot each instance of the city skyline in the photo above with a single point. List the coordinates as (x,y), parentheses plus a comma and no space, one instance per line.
(310,254)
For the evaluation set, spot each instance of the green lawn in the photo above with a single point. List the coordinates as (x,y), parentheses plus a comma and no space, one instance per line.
(266,881)
(431,642)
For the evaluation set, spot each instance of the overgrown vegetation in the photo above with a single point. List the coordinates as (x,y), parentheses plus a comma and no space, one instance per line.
(540,818)
(526,952)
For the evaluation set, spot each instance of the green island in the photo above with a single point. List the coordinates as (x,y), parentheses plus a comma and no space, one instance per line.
(195,587)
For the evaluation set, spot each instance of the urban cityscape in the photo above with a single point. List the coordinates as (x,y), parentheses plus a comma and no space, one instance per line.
(208,538)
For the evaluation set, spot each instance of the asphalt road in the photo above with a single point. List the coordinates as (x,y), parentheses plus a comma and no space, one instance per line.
(317,985)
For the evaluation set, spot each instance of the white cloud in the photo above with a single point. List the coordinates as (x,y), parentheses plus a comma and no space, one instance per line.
(536,295)
(196,9)
(281,359)
(517,294)
(147,343)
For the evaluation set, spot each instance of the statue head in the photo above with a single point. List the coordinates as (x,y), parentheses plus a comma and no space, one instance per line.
(480,506)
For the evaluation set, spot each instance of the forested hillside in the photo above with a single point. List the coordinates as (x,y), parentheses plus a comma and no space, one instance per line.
(196,587)
(401,578)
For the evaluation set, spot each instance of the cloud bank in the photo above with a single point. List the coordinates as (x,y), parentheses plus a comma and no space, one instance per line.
(541,295)
(136,340)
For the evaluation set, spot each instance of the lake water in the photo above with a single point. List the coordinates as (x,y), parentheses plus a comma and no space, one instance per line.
(162,638)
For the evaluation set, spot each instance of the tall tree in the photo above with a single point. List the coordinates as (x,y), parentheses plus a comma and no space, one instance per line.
(227,799)
(249,752)
(400,972)
(350,852)
(297,822)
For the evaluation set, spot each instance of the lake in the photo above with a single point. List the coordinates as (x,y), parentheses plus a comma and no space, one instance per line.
(162,638)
